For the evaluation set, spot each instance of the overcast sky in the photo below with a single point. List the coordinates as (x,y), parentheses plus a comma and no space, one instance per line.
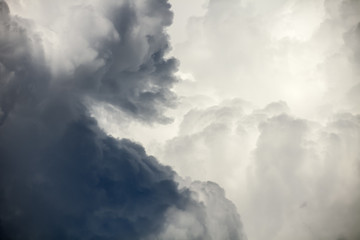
(235,119)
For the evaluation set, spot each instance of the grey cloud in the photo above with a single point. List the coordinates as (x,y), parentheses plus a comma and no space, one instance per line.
(215,207)
(20,63)
(61,176)
(123,64)
(73,181)
(218,209)
(83,185)
(135,75)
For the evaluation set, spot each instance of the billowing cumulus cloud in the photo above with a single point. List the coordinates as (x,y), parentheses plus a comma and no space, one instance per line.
(115,54)
(285,147)
(290,177)
(61,176)
(218,219)
(303,52)
(268,109)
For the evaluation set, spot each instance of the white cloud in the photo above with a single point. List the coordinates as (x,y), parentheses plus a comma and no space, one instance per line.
(288,177)
(292,166)
(264,52)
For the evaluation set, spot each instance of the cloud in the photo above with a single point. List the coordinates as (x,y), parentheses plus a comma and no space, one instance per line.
(20,62)
(112,52)
(265,51)
(82,186)
(291,167)
(288,176)
(216,209)
(61,176)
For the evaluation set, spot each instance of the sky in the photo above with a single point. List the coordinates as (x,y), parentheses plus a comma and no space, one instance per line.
(179,119)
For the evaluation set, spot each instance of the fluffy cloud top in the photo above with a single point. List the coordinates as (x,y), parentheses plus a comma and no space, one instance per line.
(302,52)
(289,177)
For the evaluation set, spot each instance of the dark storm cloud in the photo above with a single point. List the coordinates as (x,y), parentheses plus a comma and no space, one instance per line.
(61,176)
(20,70)
(84,185)
(135,75)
